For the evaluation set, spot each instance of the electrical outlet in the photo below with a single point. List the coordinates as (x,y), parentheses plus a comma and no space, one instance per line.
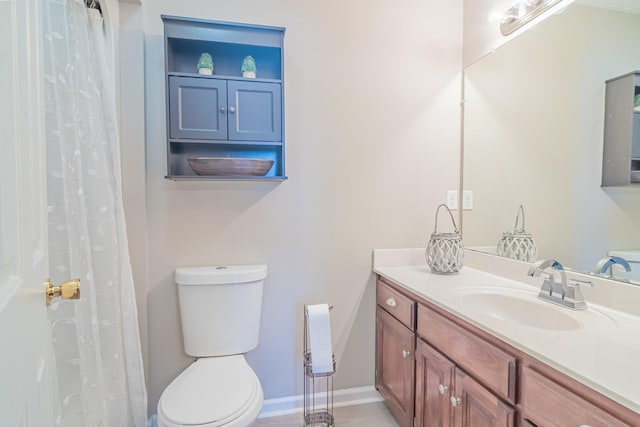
(452,199)
(467,200)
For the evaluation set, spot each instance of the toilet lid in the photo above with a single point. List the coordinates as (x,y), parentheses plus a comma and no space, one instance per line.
(211,389)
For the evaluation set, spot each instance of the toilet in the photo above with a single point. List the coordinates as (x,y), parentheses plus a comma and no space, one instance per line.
(632,256)
(220,309)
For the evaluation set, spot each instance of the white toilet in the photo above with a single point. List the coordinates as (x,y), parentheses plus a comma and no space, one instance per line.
(220,310)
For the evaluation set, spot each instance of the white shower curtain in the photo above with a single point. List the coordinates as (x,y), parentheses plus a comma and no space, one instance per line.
(96,344)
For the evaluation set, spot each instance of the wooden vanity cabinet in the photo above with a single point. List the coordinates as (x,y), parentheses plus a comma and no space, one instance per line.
(395,348)
(547,403)
(461,376)
(451,364)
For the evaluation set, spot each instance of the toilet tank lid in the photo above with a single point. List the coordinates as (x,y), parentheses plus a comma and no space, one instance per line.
(220,274)
(630,255)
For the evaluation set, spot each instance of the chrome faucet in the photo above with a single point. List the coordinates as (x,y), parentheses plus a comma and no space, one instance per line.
(606,264)
(555,288)
(554,282)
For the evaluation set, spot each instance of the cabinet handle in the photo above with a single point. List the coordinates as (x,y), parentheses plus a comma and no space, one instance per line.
(455,401)
(442,389)
(405,353)
(391,302)
(232,110)
(584,425)
(223,110)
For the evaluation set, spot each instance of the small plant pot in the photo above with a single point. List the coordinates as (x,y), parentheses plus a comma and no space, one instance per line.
(249,74)
(205,71)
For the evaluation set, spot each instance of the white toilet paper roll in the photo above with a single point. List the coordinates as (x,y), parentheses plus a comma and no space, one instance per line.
(320,338)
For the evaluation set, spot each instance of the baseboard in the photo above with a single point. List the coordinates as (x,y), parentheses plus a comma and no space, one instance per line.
(295,404)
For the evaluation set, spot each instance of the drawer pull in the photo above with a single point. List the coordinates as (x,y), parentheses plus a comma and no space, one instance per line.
(391,302)
(455,401)
(442,389)
(405,353)
(584,425)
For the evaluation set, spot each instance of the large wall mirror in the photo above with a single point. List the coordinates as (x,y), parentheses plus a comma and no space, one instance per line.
(533,136)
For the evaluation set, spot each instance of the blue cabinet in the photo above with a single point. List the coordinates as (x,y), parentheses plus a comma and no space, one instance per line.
(209,108)
(223,114)
(197,108)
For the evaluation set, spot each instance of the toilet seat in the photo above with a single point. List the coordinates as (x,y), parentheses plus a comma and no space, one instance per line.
(212,392)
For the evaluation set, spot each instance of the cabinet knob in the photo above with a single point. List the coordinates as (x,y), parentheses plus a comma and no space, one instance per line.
(405,353)
(232,110)
(391,302)
(455,401)
(442,389)
(223,110)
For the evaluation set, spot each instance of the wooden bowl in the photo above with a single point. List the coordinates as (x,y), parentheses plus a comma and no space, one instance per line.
(229,166)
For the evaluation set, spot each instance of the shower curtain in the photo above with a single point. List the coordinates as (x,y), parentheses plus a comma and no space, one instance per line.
(99,379)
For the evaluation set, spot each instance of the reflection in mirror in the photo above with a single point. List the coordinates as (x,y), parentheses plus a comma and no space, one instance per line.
(533,136)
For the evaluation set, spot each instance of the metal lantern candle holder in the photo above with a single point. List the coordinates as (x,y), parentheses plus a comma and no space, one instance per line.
(445,251)
(318,388)
(517,244)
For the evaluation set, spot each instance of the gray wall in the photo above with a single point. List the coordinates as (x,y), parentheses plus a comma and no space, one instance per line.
(372,129)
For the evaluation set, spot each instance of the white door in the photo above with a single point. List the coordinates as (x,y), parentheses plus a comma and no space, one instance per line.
(24,329)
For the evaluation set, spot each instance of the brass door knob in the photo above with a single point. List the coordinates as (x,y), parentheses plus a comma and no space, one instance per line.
(69,289)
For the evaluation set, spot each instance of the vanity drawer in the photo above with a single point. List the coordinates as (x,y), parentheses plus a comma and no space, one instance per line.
(396,304)
(484,361)
(546,403)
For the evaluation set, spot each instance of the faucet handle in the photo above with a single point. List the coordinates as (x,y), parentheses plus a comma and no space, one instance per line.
(574,294)
(576,283)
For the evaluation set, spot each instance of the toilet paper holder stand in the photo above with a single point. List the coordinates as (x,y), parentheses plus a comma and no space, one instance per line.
(318,388)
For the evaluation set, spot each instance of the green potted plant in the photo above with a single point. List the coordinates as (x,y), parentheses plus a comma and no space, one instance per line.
(249,67)
(205,64)
(636,103)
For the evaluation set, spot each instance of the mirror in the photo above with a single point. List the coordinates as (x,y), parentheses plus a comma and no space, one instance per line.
(533,136)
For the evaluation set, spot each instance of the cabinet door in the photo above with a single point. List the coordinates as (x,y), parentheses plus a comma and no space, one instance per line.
(197,108)
(434,381)
(255,111)
(395,345)
(475,406)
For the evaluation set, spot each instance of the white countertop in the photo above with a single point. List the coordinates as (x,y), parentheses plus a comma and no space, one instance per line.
(603,353)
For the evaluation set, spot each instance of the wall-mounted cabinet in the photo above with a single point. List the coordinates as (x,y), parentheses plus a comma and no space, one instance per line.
(621,155)
(223,114)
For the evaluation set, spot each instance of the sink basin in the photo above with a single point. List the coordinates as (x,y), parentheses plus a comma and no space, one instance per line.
(520,307)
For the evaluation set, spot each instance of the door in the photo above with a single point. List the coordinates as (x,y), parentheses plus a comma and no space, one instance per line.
(255,111)
(434,383)
(24,328)
(197,108)
(395,366)
(475,406)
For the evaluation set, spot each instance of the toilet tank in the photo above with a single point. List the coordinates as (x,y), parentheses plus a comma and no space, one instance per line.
(220,308)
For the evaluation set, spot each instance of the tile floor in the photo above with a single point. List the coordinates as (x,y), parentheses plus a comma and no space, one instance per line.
(369,415)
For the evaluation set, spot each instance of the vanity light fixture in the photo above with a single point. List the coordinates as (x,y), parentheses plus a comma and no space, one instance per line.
(523,12)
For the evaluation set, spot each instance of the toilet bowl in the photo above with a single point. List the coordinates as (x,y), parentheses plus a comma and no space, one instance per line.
(220,308)
(212,392)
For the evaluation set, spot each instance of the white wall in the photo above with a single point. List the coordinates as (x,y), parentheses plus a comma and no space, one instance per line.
(372,131)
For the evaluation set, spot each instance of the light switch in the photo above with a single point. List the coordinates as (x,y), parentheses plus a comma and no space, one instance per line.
(452,199)
(467,200)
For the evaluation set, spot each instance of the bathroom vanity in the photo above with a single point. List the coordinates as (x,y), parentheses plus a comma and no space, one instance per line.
(476,349)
